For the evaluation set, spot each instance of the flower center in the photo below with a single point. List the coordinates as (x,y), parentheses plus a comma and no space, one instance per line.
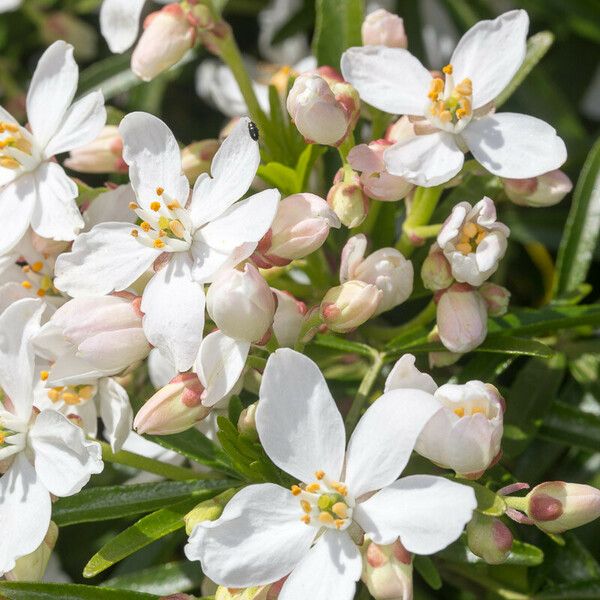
(470,236)
(165,226)
(14,146)
(324,503)
(450,106)
(39,281)
(71,395)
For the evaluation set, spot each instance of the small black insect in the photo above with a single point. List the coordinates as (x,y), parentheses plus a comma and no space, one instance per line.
(253,130)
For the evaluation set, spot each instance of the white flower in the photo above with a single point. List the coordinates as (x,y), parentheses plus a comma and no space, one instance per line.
(473,241)
(457,115)
(8,5)
(192,240)
(46,453)
(34,190)
(267,531)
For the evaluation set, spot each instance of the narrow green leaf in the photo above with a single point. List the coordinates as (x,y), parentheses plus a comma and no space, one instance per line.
(582,228)
(582,590)
(280,176)
(342,344)
(428,571)
(65,591)
(571,426)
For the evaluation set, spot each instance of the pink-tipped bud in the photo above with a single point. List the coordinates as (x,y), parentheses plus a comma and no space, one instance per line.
(381,28)
(461,318)
(197,157)
(496,299)
(168,35)
(32,567)
(300,227)
(349,305)
(103,155)
(288,319)
(247,422)
(387,571)
(323,113)
(440,359)
(489,538)
(174,408)
(349,202)
(544,190)
(241,304)
(556,506)
(436,271)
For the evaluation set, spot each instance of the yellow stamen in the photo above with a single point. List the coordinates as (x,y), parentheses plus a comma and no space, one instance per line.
(133,206)
(86,392)
(160,191)
(70,398)
(145,226)
(296,490)
(25,268)
(41,293)
(177,228)
(158,244)
(326,518)
(305,506)
(2,438)
(134,232)
(54,395)
(340,509)
(477,410)
(448,69)
(470,229)
(44,375)
(155,206)
(340,488)
(459,412)
(464,248)
(26,284)
(313,487)
(339,523)
(36,267)
(305,519)
(320,474)
(173,205)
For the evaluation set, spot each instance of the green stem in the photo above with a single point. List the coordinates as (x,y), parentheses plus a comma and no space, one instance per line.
(345,147)
(424,318)
(150,465)
(379,122)
(364,390)
(368,224)
(519,502)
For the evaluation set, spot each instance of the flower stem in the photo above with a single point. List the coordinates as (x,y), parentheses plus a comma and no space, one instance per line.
(366,385)
(345,147)
(426,316)
(517,502)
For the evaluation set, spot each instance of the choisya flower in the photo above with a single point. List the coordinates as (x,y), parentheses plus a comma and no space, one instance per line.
(34,190)
(192,240)
(456,115)
(267,531)
(46,453)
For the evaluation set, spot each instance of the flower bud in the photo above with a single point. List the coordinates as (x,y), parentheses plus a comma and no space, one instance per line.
(100,334)
(435,271)
(241,304)
(349,202)
(349,305)
(489,538)
(103,155)
(74,31)
(174,408)
(197,157)
(288,319)
(465,435)
(496,298)
(247,422)
(461,318)
(387,571)
(262,592)
(381,28)
(556,506)
(323,113)
(208,510)
(33,566)
(440,359)
(405,375)
(385,268)
(300,227)
(168,35)
(544,190)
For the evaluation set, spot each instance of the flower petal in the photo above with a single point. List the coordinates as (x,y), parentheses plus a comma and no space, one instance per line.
(25,514)
(173,307)
(17,200)
(111,206)
(64,459)
(390,79)
(330,570)
(425,160)
(103,260)
(51,91)
(258,539)
(152,153)
(490,54)
(404,375)
(19,324)
(428,513)
(385,437)
(219,365)
(115,411)
(514,145)
(160,369)
(297,420)
(120,22)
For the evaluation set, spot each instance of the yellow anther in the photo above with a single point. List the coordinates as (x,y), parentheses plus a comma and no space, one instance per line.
(135,232)
(296,490)
(305,519)
(160,191)
(313,487)
(319,474)
(177,228)
(9,163)
(464,248)
(145,226)
(339,523)
(340,509)
(54,395)
(41,293)
(470,229)
(480,237)
(133,206)
(45,283)
(44,375)
(459,412)
(158,244)
(477,410)
(340,488)
(445,116)
(461,113)
(326,518)
(173,205)
(163,222)
(2,438)
(155,206)
(36,267)
(305,506)
(86,392)
(26,284)
(70,398)
(464,88)
(448,69)
(25,268)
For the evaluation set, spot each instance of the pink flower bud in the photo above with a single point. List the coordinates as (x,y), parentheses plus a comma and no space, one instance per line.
(400,131)
(440,359)
(174,408)
(64,26)
(103,155)
(349,202)
(168,35)
(300,227)
(385,268)
(461,318)
(32,567)
(545,190)
(381,28)
(465,435)
(387,571)
(247,422)
(496,298)
(322,113)
(241,304)
(489,538)
(46,247)
(197,157)
(556,506)
(289,317)
(349,305)
(435,271)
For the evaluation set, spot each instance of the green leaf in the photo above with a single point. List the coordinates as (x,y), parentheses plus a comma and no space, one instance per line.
(343,345)
(65,591)
(428,571)
(582,228)
(569,425)
(537,46)
(113,502)
(582,590)
(488,502)
(337,27)
(280,176)
(144,532)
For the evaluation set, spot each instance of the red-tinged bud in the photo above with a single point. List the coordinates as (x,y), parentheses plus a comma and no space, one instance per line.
(349,202)
(489,538)
(496,298)
(349,305)
(197,158)
(381,28)
(436,271)
(544,190)
(103,155)
(387,571)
